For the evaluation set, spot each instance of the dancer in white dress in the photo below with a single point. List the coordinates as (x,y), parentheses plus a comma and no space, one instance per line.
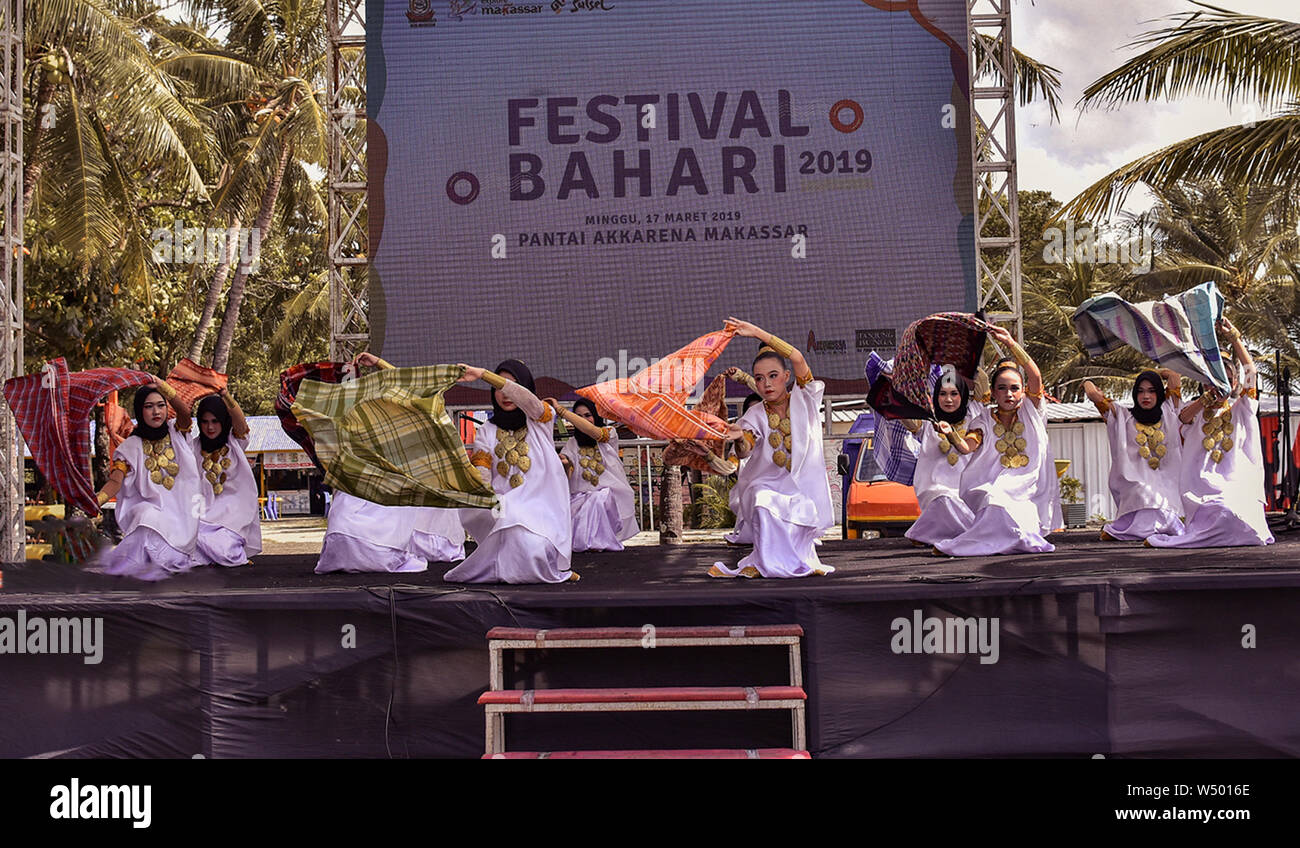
(1222,477)
(530,538)
(1012,487)
(230,530)
(743,533)
(155,478)
(1145,457)
(363,536)
(600,497)
(947,447)
(783,491)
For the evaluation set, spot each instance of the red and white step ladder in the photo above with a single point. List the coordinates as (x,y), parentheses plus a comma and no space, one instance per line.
(499,701)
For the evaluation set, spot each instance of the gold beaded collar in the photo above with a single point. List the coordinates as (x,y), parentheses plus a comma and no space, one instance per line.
(512,451)
(215,464)
(160,461)
(1218,430)
(779,437)
(1011,442)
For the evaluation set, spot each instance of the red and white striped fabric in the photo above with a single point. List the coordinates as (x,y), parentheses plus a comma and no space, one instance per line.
(193,382)
(52,408)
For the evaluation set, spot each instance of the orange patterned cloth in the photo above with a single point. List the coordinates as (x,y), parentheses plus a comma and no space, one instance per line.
(692,454)
(653,402)
(117,422)
(193,382)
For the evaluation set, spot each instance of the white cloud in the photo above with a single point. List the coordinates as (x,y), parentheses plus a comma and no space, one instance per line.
(1084,41)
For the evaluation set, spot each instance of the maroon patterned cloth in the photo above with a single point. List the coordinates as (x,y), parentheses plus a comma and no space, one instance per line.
(290,379)
(52,408)
(940,339)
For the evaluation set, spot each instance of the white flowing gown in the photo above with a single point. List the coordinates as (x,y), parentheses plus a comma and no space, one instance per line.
(230,531)
(160,526)
(362,536)
(604,515)
(529,539)
(787,511)
(1223,501)
(1015,508)
(944,514)
(1147,500)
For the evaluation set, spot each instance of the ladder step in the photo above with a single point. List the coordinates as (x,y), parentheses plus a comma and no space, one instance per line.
(528,698)
(688,754)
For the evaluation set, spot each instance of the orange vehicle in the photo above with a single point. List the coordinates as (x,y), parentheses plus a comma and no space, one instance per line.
(871,500)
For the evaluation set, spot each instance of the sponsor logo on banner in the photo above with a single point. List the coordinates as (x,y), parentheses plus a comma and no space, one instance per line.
(816,345)
(420,13)
(558,6)
(458,9)
(883,339)
(505,7)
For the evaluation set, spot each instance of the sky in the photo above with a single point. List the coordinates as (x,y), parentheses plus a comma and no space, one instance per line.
(1084,39)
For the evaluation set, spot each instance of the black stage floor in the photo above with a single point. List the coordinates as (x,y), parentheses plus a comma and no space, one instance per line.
(864,569)
(1101,648)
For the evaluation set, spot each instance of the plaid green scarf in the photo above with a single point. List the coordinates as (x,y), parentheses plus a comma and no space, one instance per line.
(388,438)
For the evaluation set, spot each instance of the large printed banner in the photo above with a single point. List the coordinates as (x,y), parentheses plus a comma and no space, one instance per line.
(587,184)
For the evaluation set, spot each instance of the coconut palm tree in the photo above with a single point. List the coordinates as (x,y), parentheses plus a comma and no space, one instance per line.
(105,122)
(1219,53)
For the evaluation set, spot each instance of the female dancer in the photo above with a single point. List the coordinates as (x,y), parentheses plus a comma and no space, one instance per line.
(600,498)
(230,530)
(947,447)
(783,491)
(1012,489)
(363,536)
(155,478)
(1222,475)
(1145,457)
(531,539)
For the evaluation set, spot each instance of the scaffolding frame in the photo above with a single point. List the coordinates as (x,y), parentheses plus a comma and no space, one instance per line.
(13,493)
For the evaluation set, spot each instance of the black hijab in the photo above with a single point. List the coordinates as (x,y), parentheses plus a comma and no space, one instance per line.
(142,430)
(958,415)
(583,439)
(215,405)
(1149,416)
(515,419)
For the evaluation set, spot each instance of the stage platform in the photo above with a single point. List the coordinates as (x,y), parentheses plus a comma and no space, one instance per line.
(1102,648)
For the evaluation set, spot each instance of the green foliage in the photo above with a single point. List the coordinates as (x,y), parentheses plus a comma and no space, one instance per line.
(1071,490)
(711,505)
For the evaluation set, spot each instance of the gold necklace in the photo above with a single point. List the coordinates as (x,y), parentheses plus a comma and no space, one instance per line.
(160,461)
(215,464)
(1218,430)
(1150,439)
(1011,443)
(512,451)
(779,438)
(945,446)
(591,464)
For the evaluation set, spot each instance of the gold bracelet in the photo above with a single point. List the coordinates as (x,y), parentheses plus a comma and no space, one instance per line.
(494,379)
(166,390)
(782,348)
(102,498)
(382,363)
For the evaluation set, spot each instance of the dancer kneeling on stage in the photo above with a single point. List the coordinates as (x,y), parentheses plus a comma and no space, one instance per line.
(1222,477)
(947,447)
(1145,457)
(230,530)
(600,498)
(530,538)
(155,478)
(782,491)
(1012,489)
(363,536)
(742,533)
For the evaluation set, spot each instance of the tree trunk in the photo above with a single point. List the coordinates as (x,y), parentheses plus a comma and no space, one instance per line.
(32,171)
(226,337)
(214,292)
(670,506)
